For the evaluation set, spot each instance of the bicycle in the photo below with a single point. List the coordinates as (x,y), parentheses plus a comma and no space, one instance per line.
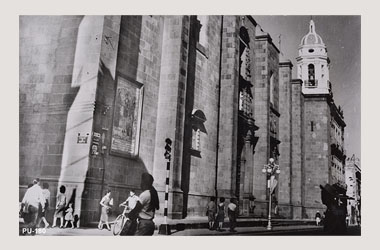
(120,220)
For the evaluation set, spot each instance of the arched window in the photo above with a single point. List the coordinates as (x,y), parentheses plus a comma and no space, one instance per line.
(311,74)
(198,119)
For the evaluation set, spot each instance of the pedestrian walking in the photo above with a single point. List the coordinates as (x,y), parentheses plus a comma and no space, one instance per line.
(32,203)
(317,218)
(211,212)
(252,206)
(105,210)
(221,214)
(275,205)
(334,222)
(146,206)
(60,207)
(232,210)
(46,194)
(23,209)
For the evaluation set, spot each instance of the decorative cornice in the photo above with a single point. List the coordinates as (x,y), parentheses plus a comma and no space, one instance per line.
(296,81)
(324,96)
(267,37)
(286,63)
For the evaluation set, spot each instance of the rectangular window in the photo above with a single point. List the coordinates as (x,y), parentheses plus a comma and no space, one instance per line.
(312,126)
(245,101)
(241,100)
(271,88)
(196,142)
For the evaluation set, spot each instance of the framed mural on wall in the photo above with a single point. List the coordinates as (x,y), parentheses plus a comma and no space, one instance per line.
(126,117)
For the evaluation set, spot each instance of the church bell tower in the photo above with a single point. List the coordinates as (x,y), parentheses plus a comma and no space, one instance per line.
(313,70)
(313,63)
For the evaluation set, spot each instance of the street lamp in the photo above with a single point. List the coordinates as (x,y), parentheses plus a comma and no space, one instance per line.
(270,170)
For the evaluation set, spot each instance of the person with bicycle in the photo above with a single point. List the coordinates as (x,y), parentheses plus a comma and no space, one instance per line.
(120,221)
(130,203)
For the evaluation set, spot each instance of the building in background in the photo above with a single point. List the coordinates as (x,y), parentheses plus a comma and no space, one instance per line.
(353,182)
(100,94)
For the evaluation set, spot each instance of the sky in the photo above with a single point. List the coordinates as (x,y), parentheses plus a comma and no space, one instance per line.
(342,37)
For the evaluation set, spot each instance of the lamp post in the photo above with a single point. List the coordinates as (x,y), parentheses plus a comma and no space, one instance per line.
(270,170)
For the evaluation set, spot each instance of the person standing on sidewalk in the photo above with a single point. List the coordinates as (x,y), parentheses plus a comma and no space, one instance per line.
(145,208)
(211,211)
(252,206)
(232,210)
(221,214)
(106,209)
(32,203)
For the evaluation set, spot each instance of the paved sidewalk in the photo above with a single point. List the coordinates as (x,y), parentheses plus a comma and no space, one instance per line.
(242,231)
(193,226)
(76,232)
(187,232)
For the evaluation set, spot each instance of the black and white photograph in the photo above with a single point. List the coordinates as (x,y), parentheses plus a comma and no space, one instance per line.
(204,124)
(190,125)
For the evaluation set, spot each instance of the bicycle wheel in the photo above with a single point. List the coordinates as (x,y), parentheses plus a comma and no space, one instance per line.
(118,225)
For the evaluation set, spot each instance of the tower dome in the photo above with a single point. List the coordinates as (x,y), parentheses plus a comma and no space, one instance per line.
(313,63)
(311,38)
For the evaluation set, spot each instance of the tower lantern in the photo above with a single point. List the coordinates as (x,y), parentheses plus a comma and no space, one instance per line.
(313,63)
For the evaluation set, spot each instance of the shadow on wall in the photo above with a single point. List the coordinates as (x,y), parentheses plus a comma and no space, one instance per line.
(78,134)
(55,63)
(108,171)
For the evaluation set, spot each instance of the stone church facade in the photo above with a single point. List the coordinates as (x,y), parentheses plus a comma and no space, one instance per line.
(100,94)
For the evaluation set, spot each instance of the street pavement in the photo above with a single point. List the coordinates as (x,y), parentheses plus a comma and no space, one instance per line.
(187,232)
(280,230)
(247,231)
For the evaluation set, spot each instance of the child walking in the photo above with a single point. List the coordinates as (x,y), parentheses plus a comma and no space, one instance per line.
(46,194)
(211,211)
(69,216)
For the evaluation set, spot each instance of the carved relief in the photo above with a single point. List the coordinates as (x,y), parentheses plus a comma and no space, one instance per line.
(126,121)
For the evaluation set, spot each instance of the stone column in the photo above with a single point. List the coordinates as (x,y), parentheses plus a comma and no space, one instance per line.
(228,108)
(285,130)
(171,110)
(296,149)
(265,114)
